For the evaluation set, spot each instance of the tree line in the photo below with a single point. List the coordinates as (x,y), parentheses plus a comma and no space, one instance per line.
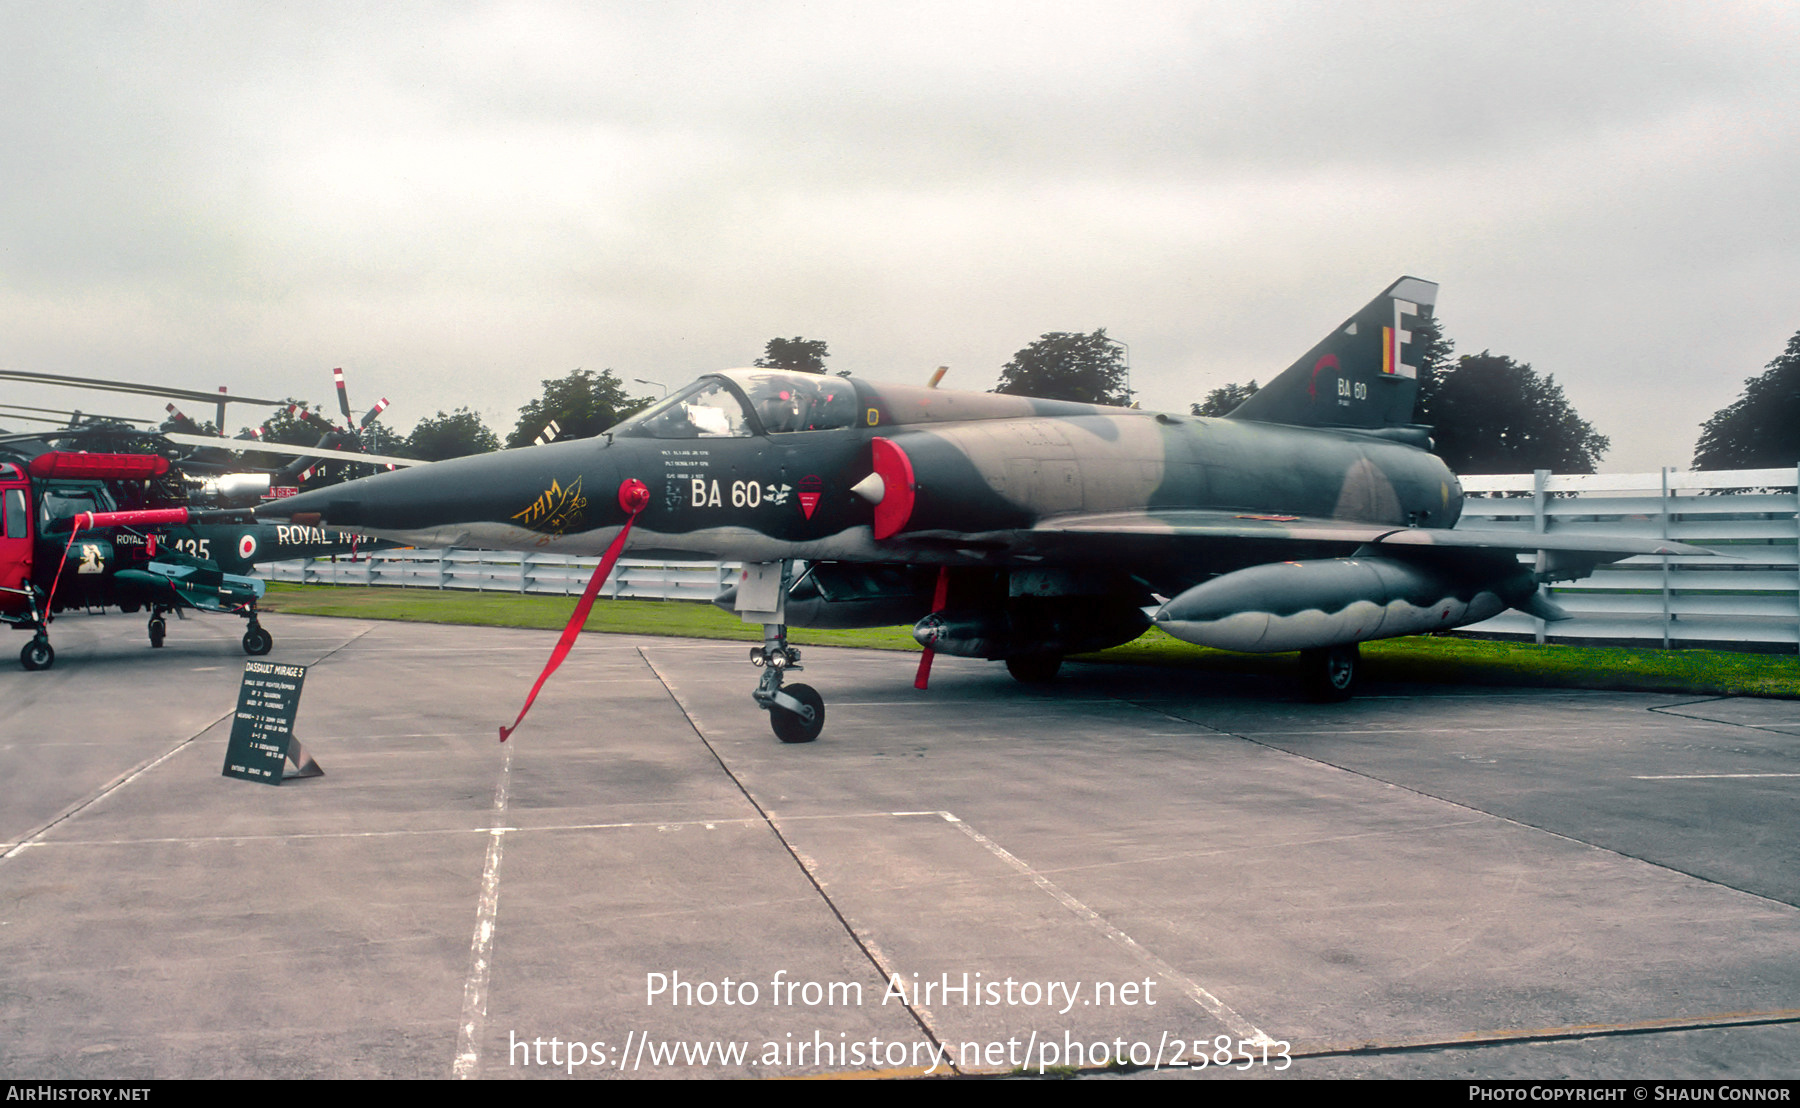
(1489,412)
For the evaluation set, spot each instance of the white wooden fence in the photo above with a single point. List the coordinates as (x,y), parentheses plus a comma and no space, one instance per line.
(1749,596)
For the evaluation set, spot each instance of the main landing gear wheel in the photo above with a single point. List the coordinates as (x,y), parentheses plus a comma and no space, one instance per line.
(37,655)
(1034,669)
(793,727)
(157,630)
(257,641)
(1330,674)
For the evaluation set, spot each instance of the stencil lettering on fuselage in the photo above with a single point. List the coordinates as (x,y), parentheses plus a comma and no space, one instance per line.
(681,466)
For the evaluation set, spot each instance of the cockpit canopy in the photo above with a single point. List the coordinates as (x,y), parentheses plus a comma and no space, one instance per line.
(744,402)
(63,502)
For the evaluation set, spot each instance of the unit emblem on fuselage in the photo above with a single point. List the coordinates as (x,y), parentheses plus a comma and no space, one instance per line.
(556,511)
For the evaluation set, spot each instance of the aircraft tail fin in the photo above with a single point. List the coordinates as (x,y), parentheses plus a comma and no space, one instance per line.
(1364,374)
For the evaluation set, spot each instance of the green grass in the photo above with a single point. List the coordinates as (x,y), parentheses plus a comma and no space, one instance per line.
(1421,659)
(681,619)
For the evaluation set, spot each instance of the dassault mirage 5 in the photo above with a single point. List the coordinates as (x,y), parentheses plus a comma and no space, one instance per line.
(1312,518)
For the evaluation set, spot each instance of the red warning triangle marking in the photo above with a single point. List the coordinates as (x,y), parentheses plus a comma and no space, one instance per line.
(810,487)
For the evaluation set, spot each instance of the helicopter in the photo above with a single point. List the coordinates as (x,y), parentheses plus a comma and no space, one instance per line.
(101,513)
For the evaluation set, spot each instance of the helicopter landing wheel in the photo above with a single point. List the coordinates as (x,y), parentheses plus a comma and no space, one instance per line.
(37,655)
(157,630)
(257,641)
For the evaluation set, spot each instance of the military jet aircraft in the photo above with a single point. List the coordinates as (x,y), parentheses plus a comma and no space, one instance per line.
(1312,518)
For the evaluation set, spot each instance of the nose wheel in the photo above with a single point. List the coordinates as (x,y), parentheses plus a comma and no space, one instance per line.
(801,724)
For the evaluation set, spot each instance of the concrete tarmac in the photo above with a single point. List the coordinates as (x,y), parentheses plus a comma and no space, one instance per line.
(1153,866)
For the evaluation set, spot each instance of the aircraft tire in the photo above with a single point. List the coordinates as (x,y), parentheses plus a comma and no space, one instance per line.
(157,630)
(37,655)
(1034,669)
(790,727)
(258,641)
(1330,674)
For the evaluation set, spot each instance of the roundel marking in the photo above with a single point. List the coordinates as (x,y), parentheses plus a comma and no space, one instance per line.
(1329,361)
(247,546)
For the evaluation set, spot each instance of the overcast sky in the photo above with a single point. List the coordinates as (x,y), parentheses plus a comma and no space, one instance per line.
(454,201)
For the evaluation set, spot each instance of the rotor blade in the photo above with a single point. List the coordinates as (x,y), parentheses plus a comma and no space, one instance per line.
(66,425)
(337,376)
(304,451)
(65,414)
(379,407)
(132,387)
(37,419)
(68,433)
(312,419)
(181,419)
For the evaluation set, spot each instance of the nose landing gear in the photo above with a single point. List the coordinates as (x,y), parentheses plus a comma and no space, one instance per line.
(796,713)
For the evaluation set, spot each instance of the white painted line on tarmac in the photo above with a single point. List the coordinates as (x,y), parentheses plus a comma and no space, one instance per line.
(1219,1010)
(1518,729)
(481,949)
(1706,776)
(303,836)
(36,837)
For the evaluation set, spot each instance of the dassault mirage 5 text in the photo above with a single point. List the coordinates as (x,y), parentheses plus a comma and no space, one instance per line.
(1312,518)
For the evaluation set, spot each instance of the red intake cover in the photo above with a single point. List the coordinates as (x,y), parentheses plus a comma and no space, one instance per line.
(896,473)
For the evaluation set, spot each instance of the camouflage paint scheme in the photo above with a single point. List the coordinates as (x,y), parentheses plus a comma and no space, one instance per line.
(1061,526)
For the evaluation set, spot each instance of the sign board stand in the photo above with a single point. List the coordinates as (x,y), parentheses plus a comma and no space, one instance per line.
(299,763)
(263,747)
